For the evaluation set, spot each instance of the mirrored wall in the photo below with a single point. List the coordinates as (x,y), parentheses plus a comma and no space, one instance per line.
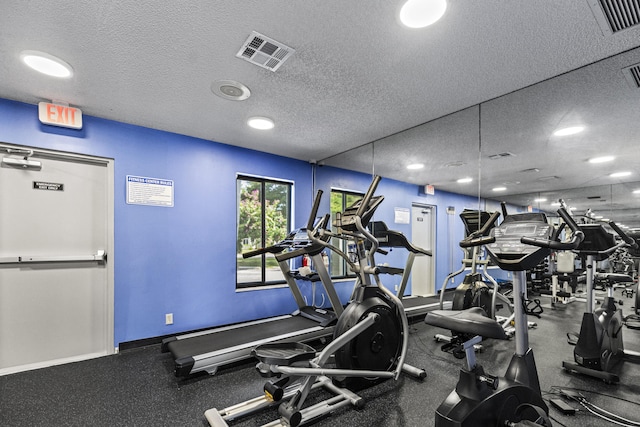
(507,149)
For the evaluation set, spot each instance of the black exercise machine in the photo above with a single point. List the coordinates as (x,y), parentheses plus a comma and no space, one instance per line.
(599,346)
(519,243)
(208,350)
(369,344)
(413,305)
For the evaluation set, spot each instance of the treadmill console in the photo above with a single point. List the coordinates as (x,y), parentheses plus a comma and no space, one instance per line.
(509,252)
(347,219)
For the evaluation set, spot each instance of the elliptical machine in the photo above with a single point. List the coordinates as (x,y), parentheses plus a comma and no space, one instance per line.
(474,291)
(519,243)
(599,347)
(370,338)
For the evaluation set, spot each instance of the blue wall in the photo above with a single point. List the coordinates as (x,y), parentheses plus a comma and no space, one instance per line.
(181,260)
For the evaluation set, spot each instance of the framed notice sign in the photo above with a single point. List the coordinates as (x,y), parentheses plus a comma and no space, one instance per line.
(149,191)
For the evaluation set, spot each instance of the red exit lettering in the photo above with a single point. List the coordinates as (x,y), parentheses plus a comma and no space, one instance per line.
(60,115)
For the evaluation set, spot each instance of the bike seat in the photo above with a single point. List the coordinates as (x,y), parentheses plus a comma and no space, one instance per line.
(472,321)
(613,278)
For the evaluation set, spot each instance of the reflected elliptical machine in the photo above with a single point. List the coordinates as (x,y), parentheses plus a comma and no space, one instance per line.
(370,338)
(599,346)
(518,244)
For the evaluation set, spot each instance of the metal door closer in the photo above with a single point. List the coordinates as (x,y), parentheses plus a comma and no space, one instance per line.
(519,243)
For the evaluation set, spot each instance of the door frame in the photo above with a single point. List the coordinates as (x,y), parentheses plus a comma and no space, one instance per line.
(109,346)
(432,234)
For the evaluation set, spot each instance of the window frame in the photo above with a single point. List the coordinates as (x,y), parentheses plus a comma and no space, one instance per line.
(263,181)
(343,268)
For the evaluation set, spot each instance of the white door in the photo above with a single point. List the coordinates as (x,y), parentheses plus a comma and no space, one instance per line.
(422,234)
(56,287)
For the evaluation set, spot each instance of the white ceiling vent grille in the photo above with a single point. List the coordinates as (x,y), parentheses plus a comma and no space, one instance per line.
(632,74)
(264,51)
(615,15)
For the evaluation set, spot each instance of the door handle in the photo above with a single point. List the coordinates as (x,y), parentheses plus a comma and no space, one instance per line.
(100,256)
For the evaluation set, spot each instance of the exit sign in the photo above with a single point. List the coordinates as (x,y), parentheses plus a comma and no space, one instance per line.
(60,115)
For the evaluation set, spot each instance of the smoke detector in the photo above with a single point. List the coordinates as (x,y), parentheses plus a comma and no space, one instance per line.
(230,89)
(264,52)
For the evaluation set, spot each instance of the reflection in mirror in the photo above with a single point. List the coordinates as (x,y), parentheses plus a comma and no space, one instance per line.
(447,148)
(523,152)
(520,148)
(617,202)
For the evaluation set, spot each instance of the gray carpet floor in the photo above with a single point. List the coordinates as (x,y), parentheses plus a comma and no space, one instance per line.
(137,387)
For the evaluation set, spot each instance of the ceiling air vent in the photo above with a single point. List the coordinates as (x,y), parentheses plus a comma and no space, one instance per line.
(501,155)
(615,15)
(264,51)
(632,74)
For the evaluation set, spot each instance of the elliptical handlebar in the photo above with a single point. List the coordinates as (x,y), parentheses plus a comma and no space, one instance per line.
(314,210)
(478,241)
(364,204)
(576,237)
(625,237)
(477,238)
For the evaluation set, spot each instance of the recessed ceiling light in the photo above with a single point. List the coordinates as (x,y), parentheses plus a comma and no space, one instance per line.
(464,180)
(619,174)
(569,131)
(46,64)
(636,191)
(498,188)
(601,159)
(598,217)
(422,13)
(262,123)
(230,89)
(555,204)
(540,200)
(415,166)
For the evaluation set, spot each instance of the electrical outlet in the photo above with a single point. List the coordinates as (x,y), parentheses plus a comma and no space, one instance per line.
(168,319)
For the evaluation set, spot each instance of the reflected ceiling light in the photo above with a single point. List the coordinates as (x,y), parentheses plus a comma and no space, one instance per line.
(555,204)
(415,166)
(261,123)
(569,131)
(619,174)
(422,13)
(539,200)
(46,64)
(498,188)
(601,159)
(572,208)
(464,180)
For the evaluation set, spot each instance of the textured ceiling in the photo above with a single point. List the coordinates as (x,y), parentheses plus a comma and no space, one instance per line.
(357,76)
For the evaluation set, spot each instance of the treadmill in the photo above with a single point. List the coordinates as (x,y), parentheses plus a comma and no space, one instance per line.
(210,349)
(413,305)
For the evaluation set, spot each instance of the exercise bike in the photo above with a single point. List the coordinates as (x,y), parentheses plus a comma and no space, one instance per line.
(599,346)
(518,244)
(369,345)
(478,288)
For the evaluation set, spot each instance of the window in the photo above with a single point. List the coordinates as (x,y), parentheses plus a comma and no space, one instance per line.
(263,219)
(340,200)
